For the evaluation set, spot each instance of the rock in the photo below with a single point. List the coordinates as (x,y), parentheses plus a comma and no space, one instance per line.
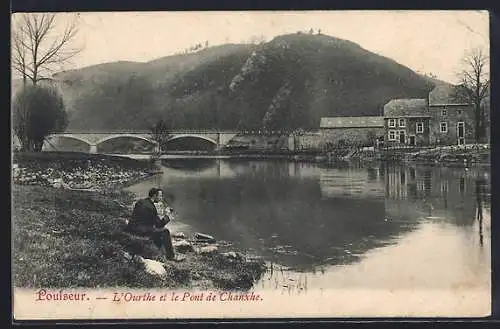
(152,266)
(255,259)
(204,237)
(57,183)
(207,250)
(126,255)
(233,255)
(178,235)
(222,243)
(183,246)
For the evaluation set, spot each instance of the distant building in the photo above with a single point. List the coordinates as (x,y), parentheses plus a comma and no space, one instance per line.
(351,130)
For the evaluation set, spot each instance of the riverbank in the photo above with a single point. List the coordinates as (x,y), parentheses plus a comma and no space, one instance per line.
(79,171)
(470,155)
(458,155)
(67,237)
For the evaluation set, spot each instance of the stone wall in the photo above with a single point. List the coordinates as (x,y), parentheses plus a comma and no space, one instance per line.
(260,142)
(339,136)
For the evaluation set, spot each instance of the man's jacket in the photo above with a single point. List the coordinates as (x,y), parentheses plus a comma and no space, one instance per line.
(145,217)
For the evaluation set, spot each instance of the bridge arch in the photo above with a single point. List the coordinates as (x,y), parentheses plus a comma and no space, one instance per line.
(176,142)
(55,142)
(193,136)
(61,136)
(107,138)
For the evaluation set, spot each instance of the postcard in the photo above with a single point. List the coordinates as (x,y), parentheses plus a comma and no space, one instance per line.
(260,164)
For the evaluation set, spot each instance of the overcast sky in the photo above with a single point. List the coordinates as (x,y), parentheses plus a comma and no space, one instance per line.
(425,41)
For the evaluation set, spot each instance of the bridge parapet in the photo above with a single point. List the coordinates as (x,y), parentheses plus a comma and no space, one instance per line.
(95,138)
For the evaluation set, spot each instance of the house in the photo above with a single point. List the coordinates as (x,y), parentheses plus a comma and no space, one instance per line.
(407,121)
(451,122)
(437,120)
(360,131)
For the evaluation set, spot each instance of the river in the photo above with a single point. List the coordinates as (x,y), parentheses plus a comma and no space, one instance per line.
(339,226)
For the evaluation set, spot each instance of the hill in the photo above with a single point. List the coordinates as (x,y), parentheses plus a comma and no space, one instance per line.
(289,82)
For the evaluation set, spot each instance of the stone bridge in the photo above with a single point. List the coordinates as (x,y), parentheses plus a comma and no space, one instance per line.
(93,139)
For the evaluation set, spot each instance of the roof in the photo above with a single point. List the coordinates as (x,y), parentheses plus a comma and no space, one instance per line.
(352,122)
(406,107)
(442,94)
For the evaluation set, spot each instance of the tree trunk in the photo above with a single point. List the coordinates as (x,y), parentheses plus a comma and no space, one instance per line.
(38,144)
(477,119)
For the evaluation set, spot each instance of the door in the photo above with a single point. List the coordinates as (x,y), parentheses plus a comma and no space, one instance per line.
(461,133)
(411,140)
(402,136)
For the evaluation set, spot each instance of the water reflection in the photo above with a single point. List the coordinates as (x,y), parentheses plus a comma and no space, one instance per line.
(190,164)
(319,219)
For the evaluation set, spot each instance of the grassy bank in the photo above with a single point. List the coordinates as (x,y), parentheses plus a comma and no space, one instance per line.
(64,237)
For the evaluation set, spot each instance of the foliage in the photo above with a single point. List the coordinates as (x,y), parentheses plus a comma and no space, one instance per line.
(160,132)
(37,112)
(115,101)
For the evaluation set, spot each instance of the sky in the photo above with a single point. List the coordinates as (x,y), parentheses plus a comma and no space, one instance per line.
(425,41)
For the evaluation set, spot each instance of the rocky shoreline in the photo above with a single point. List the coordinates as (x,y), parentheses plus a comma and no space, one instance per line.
(51,205)
(470,155)
(79,171)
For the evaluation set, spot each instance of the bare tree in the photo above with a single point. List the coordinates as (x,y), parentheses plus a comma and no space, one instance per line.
(39,45)
(474,86)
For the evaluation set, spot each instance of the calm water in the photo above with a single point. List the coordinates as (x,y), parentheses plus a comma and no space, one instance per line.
(322,227)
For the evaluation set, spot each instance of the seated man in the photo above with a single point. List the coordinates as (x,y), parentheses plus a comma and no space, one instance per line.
(146,222)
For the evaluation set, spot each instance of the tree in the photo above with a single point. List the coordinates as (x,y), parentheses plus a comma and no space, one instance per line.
(474,86)
(37,112)
(160,132)
(38,48)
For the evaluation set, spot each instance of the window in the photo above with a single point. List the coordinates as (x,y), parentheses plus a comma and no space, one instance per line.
(392,122)
(444,127)
(392,135)
(402,123)
(420,127)
(444,112)
(459,112)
